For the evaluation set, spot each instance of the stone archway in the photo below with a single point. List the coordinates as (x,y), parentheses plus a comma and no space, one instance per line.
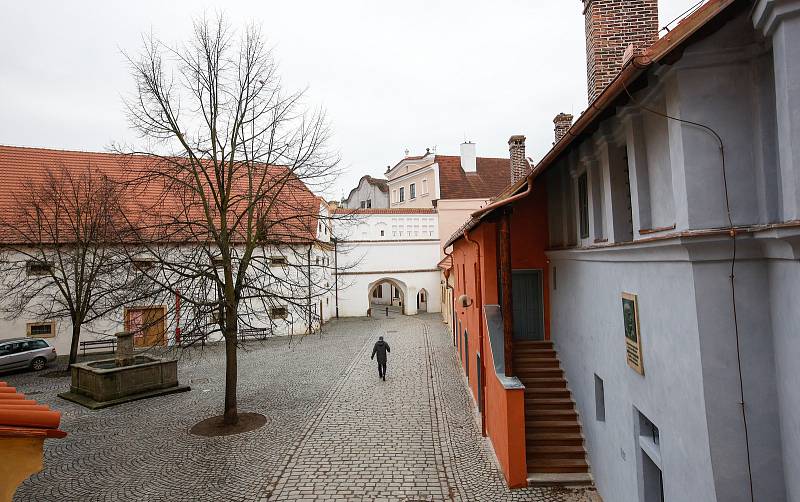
(389,293)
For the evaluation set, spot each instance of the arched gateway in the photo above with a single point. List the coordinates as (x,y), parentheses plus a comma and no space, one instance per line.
(392,293)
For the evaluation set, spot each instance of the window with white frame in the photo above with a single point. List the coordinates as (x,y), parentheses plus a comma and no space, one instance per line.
(402,194)
(425,186)
(412,191)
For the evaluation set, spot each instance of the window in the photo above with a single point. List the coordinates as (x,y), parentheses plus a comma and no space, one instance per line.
(394,195)
(425,186)
(37,268)
(381,233)
(599,399)
(277,261)
(412,191)
(369,203)
(218,262)
(278,312)
(363,204)
(583,205)
(142,265)
(41,329)
(651,480)
(402,194)
(317,261)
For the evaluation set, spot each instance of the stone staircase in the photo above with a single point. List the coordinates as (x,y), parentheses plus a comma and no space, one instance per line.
(554,440)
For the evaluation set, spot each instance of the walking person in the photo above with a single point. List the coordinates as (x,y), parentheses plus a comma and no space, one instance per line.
(381,348)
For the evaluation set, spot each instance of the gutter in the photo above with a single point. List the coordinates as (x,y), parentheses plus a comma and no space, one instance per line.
(630,71)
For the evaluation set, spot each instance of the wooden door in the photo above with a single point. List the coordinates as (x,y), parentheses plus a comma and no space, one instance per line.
(528,304)
(148,325)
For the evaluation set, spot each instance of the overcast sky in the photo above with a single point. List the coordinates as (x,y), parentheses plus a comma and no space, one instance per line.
(392,75)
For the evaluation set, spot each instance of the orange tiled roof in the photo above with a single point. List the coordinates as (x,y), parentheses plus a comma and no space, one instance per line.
(22,417)
(295,210)
(491,176)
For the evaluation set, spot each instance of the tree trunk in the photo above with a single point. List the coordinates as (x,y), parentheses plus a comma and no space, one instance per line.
(231,415)
(73,347)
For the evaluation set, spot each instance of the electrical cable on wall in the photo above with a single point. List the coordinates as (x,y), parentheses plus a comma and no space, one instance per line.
(732,233)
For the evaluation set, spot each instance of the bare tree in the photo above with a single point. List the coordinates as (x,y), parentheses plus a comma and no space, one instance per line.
(227,210)
(59,255)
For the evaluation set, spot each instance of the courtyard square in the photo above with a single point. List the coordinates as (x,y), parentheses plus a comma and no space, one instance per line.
(334,430)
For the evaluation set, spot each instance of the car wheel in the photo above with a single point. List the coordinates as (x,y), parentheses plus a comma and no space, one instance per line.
(38,364)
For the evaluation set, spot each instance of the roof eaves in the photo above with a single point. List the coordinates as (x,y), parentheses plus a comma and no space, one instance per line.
(632,69)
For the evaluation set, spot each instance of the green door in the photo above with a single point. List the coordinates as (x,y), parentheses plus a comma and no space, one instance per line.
(528,304)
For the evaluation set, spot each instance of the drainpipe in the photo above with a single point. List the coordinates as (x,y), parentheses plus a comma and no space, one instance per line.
(506,306)
(336,273)
(479,305)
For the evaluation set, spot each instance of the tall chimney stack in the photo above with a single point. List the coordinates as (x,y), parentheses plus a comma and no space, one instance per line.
(612,26)
(516,151)
(563,122)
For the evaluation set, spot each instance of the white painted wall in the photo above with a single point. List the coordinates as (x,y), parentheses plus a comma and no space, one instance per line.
(406,254)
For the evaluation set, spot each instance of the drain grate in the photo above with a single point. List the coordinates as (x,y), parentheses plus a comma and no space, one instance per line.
(200,380)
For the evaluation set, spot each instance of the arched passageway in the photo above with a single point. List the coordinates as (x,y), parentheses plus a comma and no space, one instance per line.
(422,300)
(387,293)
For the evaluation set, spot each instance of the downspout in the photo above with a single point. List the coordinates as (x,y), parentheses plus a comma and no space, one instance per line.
(310,326)
(452,296)
(336,273)
(479,305)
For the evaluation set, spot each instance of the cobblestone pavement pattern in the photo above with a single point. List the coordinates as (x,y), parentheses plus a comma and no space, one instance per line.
(335,431)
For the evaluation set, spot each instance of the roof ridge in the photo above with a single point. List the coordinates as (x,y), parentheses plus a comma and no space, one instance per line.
(58,150)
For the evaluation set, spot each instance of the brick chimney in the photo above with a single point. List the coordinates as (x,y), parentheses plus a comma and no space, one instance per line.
(563,122)
(516,151)
(612,26)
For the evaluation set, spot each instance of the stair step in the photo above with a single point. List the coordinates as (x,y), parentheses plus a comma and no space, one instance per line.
(535,351)
(542,426)
(533,343)
(534,412)
(535,362)
(549,403)
(534,439)
(538,372)
(545,392)
(560,479)
(559,465)
(555,451)
(548,383)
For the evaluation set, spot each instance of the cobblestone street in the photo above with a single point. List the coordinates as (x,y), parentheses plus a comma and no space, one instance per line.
(334,430)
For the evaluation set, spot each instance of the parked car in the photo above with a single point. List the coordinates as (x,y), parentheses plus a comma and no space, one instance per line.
(32,353)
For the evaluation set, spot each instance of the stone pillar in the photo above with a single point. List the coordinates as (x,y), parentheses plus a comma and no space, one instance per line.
(780,21)
(124,355)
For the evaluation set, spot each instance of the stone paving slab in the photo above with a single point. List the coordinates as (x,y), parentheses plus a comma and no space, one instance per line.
(335,432)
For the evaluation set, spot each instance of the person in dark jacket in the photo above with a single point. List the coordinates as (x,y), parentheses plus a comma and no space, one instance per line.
(381,348)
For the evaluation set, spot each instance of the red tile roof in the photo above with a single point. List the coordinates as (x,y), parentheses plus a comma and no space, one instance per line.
(408,210)
(21,417)
(295,209)
(490,178)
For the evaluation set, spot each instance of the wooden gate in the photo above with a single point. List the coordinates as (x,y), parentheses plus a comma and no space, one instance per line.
(148,325)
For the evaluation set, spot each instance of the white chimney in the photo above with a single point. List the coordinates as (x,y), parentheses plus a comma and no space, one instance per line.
(468,159)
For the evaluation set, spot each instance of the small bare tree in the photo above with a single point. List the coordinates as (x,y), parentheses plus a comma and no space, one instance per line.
(227,210)
(60,258)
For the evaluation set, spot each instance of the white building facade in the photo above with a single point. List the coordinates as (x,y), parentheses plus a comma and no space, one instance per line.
(386,258)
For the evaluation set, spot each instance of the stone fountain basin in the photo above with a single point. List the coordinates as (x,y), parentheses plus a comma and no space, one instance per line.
(101,383)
